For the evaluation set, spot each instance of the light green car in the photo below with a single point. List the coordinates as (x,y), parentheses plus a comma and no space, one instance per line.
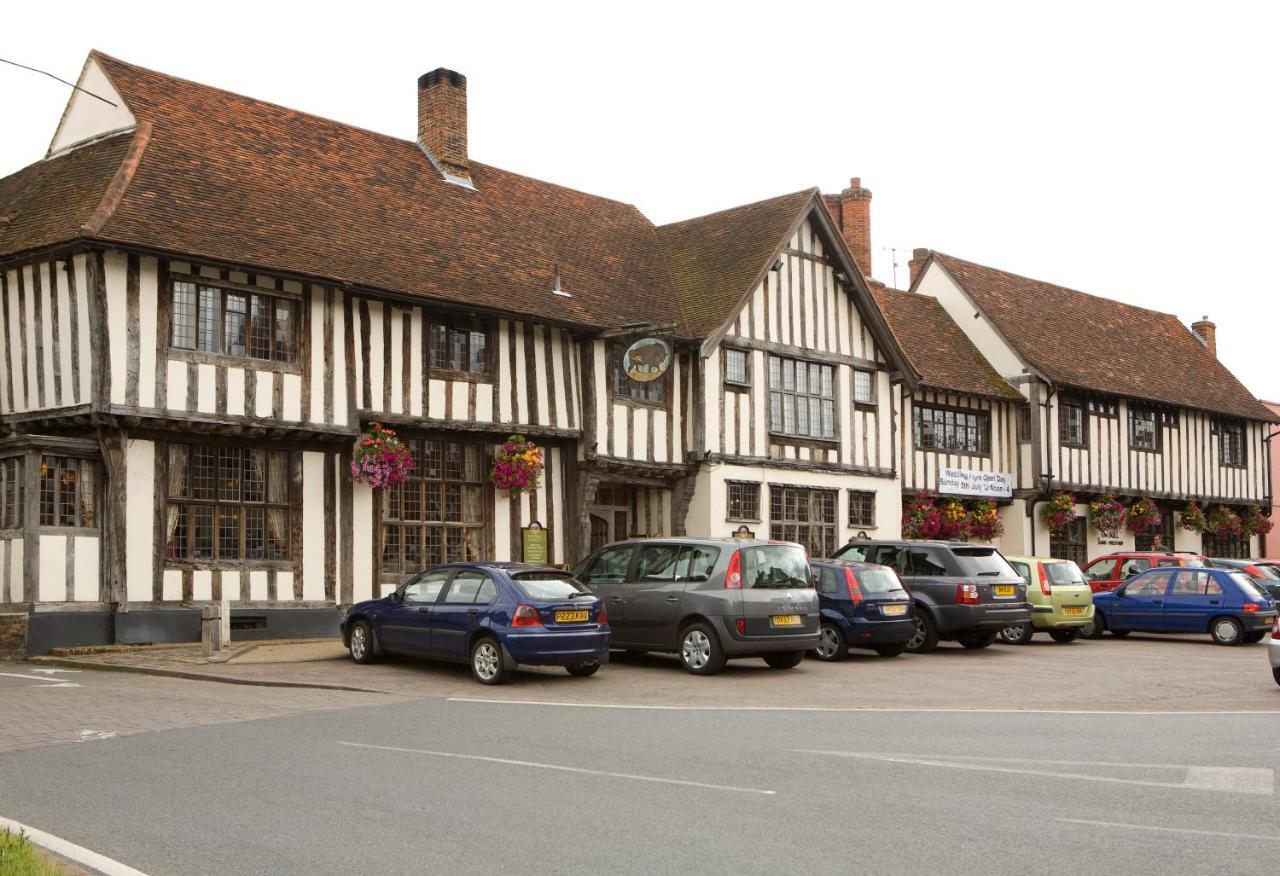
(1061,601)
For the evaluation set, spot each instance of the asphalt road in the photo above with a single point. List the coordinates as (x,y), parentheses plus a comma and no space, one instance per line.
(430,785)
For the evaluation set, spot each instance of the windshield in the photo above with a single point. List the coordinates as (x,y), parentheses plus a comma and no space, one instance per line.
(1064,573)
(775,565)
(878,581)
(1246,585)
(549,585)
(984,562)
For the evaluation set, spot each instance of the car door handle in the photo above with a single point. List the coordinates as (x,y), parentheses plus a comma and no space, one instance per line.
(425,610)
(615,598)
(1214,601)
(673,599)
(473,611)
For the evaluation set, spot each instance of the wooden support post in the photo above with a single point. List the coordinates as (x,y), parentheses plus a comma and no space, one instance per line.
(113,443)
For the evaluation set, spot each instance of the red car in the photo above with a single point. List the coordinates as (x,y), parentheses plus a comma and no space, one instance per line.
(1110,571)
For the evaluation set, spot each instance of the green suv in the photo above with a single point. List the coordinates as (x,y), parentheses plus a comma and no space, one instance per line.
(1061,601)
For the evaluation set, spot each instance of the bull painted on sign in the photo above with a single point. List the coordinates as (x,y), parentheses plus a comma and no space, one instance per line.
(647,359)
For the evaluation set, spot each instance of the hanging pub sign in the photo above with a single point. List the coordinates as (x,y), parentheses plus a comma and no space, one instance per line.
(647,359)
(533,540)
(743,532)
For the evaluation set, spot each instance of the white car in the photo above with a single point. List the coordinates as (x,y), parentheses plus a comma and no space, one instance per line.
(1273,651)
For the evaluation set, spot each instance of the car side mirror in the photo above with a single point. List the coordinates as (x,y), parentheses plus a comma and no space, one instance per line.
(397,596)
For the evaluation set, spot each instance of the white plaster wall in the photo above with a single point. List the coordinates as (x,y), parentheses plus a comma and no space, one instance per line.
(260,588)
(140,527)
(148,298)
(235,391)
(207,388)
(86,568)
(956,302)
(202,585)
(53,568)
(362,541)
(172,585)
(231,585)
(263,393)
(115,274)
(313,511)
(86,117)
(291,396)
(176,390)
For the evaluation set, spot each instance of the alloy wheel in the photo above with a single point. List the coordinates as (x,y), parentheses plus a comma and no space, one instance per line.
(828,643)
(917,638)
(696,649)
(359,642)
(486,661)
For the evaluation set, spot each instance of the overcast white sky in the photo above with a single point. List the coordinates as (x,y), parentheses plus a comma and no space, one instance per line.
(1124,149)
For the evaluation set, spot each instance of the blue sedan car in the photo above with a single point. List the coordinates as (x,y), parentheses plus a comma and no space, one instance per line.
(862,605)
(1225,604)
(493,616)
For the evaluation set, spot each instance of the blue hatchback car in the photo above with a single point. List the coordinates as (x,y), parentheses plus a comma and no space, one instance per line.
(1225,604)
(493,616)
(862,605)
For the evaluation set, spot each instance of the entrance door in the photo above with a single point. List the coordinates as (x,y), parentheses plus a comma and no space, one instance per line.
(610,515)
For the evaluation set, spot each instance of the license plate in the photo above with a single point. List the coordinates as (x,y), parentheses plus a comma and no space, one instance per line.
(1003,589)
(894,609)
(1073,609)
(572,617)
(786,620)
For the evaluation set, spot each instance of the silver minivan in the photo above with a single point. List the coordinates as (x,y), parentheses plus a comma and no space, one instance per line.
(707,599)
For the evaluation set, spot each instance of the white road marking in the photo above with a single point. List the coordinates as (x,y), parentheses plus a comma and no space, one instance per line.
(1183,830)
(94,735)
(72,852)
(855,709)
(39,678)
(566,769)
(55,671)
(1232,780)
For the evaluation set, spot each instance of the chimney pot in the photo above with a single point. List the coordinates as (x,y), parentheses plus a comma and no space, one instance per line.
(1207,332)
(852,211)
(442,121)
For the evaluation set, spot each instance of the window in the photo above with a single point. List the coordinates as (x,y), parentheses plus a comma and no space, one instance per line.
(1071,544)
(1024,424)
(438,514)
(744,500)
(1134,566)
(240,324)
(426,587)
(11,493)
(460,346)
(657,562)
(1071,424)
(465,586)
(227,503)
(1103,570)
(1230,434)
(609,567)
(862,508)
(864,387)
(67,492)
(696,563)
(624,387)
(1150,585)
(802,398)
(1144,428)
(927,563)
(951,430)
(1104,407)
(737,367)
(805,516)
(1227,548)
(1169,418)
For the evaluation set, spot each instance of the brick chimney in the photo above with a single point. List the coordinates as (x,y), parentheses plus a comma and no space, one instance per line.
(442,122)
(854,217)
(918,257)
(1207,332)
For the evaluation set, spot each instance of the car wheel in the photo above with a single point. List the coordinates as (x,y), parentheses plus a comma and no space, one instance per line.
(832,644)
(1226,631)
(1255,637)
(487,665)
(978,642)
(1018,634)
(583,670)
(1064,636)
(1275,673)
(784,659)
(360,643)
(890,650)
(925,638)
(1095,627)
(700,650)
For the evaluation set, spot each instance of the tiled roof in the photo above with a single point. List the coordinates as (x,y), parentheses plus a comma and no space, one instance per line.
(1099,344)
(715,260)
(940,352)
(236,180)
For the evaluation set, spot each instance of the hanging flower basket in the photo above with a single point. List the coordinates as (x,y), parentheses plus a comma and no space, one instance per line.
(1143,516)
(517,466)
(381,459)
(985,522)
(1257,523)
(1058,512)
(1222,522)
(1107,514)
(1192,518)
(922,518)
(955,520)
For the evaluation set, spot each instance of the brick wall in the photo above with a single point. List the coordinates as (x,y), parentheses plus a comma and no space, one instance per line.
(13,636)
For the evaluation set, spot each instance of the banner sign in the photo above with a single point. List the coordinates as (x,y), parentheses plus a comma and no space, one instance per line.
(963,482)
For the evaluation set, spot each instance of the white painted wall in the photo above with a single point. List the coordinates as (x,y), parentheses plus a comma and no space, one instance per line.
(140,527)
(86,117)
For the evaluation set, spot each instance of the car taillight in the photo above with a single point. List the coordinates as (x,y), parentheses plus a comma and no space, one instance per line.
(1252,606)
(1275,633)
(967,594)
(741,624)
(855,592)
(526,616)
(733,577)
(1045,587)
(603,616)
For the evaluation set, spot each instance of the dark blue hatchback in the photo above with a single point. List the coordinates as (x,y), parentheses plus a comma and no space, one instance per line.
(863,605)
(493,616)
(1225,604)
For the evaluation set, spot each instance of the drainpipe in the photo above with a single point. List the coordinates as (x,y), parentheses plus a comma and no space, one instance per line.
(1270,497)
(1046,478)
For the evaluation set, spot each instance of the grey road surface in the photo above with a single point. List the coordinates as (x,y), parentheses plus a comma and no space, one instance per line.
(447,786)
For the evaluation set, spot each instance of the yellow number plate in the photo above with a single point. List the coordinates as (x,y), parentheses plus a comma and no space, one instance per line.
(572,617)
(895,609)
(1003,589)
(1073,609)
(786,620)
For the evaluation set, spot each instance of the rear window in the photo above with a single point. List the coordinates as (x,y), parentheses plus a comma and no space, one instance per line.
(1271,572)
(1064,573)
(549,585)
(984,562)
(1195,563)
(1246,585)
(775,565)
(877,581)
